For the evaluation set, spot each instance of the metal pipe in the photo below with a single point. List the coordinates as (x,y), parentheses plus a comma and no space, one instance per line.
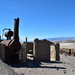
(4,30)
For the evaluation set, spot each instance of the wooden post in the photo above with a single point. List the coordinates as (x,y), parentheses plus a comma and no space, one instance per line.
(69,51)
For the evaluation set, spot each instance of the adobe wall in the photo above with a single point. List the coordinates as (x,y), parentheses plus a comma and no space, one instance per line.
(52,52)
(41,50)
(57,47)
(23,54)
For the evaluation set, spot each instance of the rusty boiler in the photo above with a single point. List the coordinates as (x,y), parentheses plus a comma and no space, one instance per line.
(12,46)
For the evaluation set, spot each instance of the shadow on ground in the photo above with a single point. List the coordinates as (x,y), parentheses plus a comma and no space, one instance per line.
(32,64)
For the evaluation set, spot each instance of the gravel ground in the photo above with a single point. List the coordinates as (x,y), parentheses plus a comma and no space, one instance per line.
(6,70)
(66,66)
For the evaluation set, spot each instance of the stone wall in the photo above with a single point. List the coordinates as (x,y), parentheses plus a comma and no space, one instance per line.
(41,50)
(23,54)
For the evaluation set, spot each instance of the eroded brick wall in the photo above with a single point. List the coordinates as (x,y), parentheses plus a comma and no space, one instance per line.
(41,50)
(57,47)
(52,52)
(23,54)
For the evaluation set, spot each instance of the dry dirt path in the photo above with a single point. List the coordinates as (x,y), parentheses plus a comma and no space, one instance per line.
(66,66)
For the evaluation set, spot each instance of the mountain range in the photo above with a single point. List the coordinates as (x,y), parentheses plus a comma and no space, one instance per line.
(60,38)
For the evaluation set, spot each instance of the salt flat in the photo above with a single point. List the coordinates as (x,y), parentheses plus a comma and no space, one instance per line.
(67,45)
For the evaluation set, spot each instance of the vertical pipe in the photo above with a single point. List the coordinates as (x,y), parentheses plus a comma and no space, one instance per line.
(16,29)
(26,39)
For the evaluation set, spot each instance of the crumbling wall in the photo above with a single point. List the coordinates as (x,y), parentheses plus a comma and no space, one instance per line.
(41,50)
(52,52)
(55,53)
(23,54)
(57,47)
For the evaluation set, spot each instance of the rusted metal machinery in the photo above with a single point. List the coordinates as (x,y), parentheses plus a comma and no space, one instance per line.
(12,46)
(8,34)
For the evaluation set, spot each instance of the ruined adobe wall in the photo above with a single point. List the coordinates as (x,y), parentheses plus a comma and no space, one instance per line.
(22,53)
(41,50)
(52,52)
(55,52)
(57,47)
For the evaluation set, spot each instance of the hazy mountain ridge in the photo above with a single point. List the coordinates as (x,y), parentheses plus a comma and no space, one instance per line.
(62,39)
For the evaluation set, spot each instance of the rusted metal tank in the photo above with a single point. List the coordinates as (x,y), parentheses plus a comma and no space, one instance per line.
(9,34)
(13,46)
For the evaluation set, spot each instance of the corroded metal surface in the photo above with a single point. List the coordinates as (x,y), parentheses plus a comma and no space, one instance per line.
(12,46)
(9,34)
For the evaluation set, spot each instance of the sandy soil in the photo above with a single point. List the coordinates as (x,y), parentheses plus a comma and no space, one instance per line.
(66,66)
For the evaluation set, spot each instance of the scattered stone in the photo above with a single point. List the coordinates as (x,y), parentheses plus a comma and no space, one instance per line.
(64,71)
(22,73)
(29,71)
(42,70)
(72,70)
(57,69)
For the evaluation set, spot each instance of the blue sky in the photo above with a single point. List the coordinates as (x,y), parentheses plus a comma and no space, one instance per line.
(39,18)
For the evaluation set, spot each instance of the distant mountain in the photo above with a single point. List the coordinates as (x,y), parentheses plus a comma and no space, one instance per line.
(61,38)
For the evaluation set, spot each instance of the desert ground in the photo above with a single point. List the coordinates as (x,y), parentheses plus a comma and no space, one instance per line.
(66,66)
